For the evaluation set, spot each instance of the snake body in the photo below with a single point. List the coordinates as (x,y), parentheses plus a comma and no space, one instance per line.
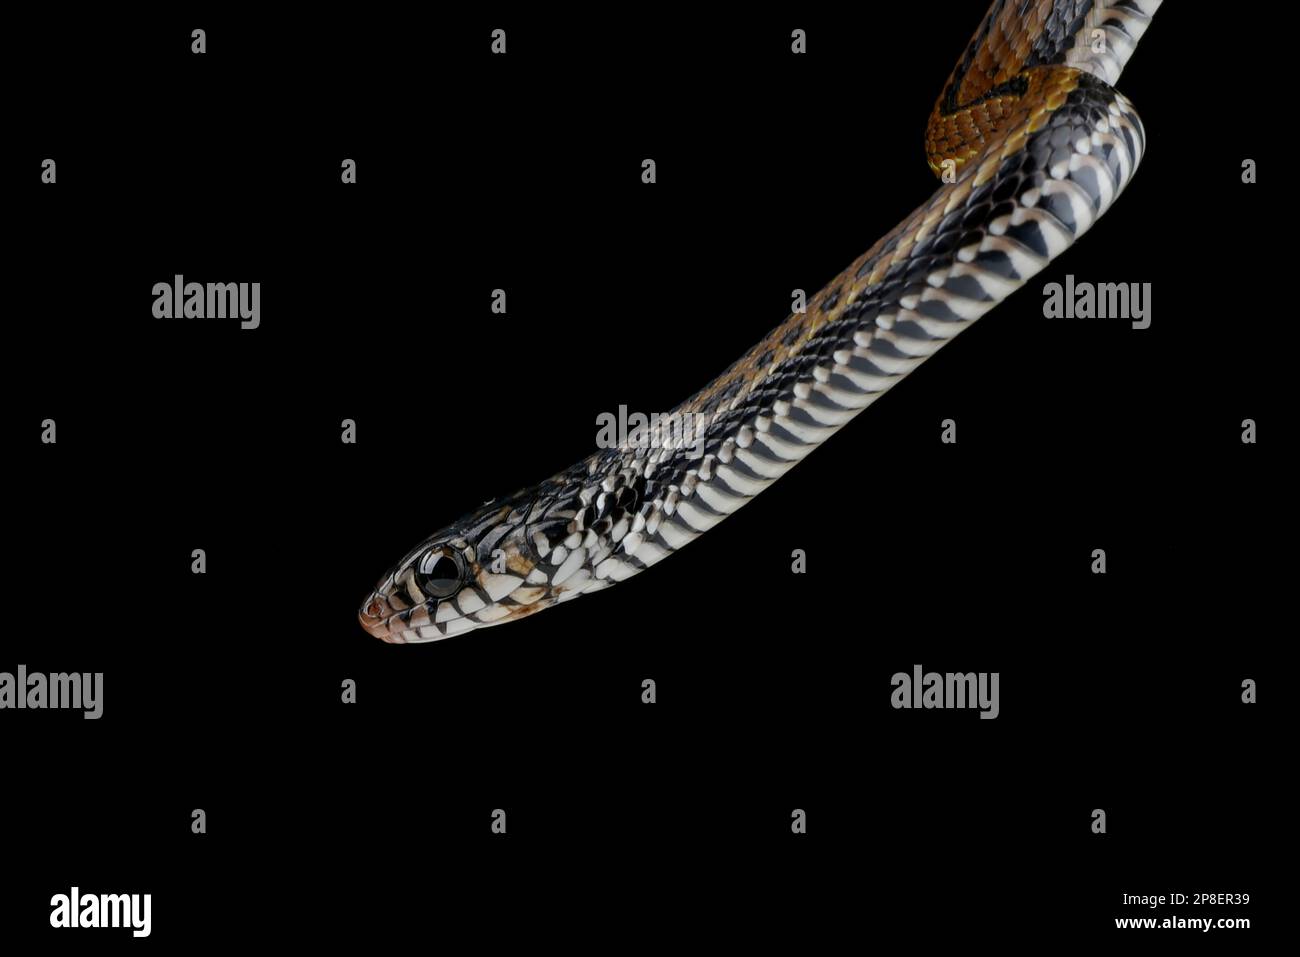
(1032,145)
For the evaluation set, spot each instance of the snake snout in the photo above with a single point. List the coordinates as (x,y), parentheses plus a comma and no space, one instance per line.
(374,616)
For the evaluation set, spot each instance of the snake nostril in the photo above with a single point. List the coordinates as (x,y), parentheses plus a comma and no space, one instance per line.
(374,609)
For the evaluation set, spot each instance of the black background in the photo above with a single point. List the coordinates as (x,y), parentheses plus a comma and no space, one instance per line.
(330,823)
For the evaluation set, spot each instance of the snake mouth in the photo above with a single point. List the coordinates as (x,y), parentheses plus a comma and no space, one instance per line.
(409,626)
(380,619)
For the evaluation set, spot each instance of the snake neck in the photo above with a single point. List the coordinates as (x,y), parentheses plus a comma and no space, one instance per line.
(1014,208)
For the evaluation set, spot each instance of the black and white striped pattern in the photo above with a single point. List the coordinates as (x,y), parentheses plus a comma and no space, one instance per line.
(1119,25)
(969,247)
(1066,178)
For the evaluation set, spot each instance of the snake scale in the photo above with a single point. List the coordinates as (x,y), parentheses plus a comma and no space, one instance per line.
(1031,144)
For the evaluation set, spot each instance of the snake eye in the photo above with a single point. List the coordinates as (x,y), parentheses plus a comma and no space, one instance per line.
(439,573)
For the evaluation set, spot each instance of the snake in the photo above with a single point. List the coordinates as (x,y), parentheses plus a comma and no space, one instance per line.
(1031,143)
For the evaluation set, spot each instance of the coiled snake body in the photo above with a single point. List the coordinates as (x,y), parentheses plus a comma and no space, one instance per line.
(1032,145)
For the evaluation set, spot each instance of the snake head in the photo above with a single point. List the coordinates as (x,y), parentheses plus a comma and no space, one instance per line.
(471,574)
(570,535)
(482,570)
